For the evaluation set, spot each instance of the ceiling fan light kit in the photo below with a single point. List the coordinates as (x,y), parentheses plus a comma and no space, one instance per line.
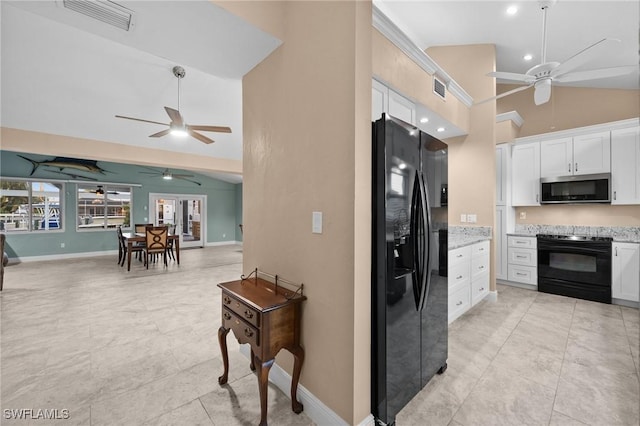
(178,127)
(542,76)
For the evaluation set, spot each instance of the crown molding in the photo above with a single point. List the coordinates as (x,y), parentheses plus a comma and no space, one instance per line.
(511,115)
(396,36)
(604,127)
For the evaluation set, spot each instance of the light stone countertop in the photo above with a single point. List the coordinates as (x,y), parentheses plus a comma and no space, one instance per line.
(457,241)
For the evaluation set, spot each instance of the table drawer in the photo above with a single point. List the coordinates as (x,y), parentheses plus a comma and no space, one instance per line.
(459,255)
(458,273)
(523,274)
(522,242)
(525,257)
(244,332)
(241,309)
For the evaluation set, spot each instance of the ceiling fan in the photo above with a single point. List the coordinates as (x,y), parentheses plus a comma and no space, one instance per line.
(100,191)
(168,175)
(542,76)
(177,126)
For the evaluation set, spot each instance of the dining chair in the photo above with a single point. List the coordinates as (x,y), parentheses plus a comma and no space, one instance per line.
(170,242)
(139,247)
(140,227)
(136,248)
(155,243)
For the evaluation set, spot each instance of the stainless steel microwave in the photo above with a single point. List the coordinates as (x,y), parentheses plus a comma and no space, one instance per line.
(576,189)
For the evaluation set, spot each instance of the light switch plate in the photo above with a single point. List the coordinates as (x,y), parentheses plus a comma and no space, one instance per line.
(472,218)
(316,222)
(463,218)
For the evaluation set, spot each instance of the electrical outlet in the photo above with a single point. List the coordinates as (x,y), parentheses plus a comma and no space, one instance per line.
(523,215)
(472,218)
(463,218)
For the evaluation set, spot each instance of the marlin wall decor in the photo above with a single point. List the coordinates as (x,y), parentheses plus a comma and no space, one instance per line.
(62,163)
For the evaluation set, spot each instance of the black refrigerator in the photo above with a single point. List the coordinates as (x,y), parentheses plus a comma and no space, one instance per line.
(409,296)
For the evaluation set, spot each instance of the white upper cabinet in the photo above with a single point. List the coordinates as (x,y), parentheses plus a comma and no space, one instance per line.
(525,181)
(402,108)
(386,100)
(592,154)
(556,157)
(379,99)
(625,166)
(580,155)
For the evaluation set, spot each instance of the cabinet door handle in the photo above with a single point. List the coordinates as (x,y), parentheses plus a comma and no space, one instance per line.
(576,167)
(248,332)
(248,314)
(458,277)
(459,303)
(616,251)
(569,167)
(537,198)
(459,255)
(614,195)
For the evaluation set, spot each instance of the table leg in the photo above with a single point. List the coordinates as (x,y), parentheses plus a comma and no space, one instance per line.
(252,365)
(129,250)
(222,339)
(263,387)
(298,354)
(177,243)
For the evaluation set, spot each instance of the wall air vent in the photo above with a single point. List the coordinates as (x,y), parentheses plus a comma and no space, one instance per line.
(439,88)
(103,10)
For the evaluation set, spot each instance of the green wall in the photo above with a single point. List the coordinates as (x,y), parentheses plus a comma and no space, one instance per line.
(223,209)
(238,211)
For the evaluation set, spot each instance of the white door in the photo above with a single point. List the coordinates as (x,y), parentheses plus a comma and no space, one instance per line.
(186,212)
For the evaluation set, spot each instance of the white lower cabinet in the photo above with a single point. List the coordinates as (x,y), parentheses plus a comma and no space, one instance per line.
(522,261)
(468,276)
(625,270)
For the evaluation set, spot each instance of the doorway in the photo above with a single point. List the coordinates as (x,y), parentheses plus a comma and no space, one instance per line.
(186,212)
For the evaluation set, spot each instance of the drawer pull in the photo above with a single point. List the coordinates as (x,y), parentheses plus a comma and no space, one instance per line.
(521,257)
(248,332)
(520,274)
(459,303)
(226,300)
(459,277)
(521,242)
(459,255)
(237,322)
(481,249)
(481,267)
(482,289)
(248,314)
(226,316)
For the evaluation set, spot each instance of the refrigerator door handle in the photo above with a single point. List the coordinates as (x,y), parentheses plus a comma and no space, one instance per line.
(414,230)
(426,255)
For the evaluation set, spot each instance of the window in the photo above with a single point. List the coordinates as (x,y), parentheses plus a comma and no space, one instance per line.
(30,205)
(103,206)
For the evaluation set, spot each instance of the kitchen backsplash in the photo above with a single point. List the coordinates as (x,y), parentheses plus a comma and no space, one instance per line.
(619,233)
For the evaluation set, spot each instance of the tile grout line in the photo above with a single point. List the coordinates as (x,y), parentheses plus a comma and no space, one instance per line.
(628,336)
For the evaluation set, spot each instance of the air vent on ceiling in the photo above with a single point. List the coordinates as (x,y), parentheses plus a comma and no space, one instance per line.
(103,10)
(439,88)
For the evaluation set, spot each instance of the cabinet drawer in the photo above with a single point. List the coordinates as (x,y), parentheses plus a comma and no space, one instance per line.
(523,257)
(479,265)
(459,255)
(479,288)
(244,332)
(522,242)
(458,273)
(523,274)
(459,302)
(241,309)
(479,249)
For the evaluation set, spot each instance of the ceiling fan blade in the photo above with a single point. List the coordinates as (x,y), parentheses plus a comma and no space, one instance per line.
(219,129)
(160,134)
(502,95)
(140,119)
(175,116)
(512,76)
(201,138)
(149,173)
(542,92)
(582,57)
(181,176)
(188,180)
(595,74)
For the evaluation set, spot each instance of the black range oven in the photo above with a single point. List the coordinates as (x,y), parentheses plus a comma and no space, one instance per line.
(575,266)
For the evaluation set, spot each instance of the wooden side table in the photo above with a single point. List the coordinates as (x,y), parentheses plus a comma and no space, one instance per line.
(267,317)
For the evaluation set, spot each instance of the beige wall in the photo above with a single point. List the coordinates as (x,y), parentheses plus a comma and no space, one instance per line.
(585,215)
(307,137)
(506,131)
(395,68)
(569,107)
(48,144)
(472,168)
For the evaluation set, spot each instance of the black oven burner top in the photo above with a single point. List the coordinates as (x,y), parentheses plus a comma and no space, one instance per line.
(575,238)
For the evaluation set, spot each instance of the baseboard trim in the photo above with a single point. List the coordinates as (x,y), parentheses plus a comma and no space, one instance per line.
(313,407)
(25,259)
(520,285)
(492,296)
(223,243)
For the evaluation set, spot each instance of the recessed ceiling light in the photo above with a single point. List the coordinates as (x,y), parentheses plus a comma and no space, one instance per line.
(527,57)
(512,10)
(440,129)
(424,120)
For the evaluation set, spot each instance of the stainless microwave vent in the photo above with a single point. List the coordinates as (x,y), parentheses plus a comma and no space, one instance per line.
(439,88)
(104,11)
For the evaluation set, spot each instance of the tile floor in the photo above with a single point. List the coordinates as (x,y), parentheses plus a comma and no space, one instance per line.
(140,348)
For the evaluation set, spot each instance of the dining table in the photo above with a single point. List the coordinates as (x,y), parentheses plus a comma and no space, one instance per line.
(140,237)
